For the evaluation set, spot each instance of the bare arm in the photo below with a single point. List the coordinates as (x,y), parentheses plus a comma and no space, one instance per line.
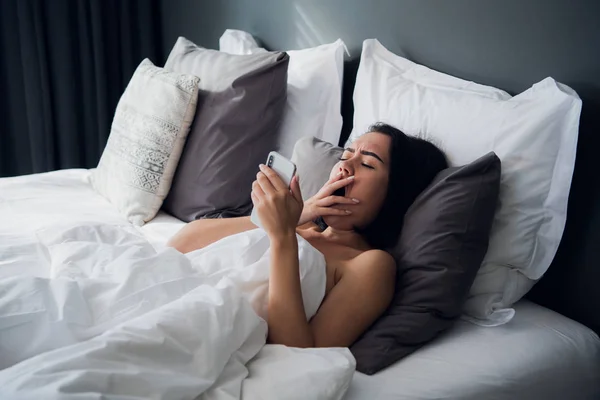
(198,234)
(287,317)
(357,300)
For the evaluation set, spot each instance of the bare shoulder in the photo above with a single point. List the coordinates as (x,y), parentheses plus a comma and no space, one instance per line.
(362,294)
(374,264)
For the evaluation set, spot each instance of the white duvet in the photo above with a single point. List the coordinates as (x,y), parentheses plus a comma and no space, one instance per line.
(90,309)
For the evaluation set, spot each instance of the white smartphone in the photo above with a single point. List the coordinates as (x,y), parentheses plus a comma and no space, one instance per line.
(286,171)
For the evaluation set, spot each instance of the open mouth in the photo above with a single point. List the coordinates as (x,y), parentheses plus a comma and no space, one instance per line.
(343,192)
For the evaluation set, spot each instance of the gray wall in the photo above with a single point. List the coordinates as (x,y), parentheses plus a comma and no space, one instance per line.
(509,44)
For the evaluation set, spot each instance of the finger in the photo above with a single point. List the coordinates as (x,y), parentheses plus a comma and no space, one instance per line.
(257,190)
(275,179)
(331,211)
(332,187)
(331,200)
(334,178)
(265,183)
(255,199)
(295,188)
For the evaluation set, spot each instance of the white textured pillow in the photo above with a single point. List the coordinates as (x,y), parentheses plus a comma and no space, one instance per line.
(149,129)
(533,133)
(314,93)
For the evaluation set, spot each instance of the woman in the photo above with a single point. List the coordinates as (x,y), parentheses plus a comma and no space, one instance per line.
(356,214)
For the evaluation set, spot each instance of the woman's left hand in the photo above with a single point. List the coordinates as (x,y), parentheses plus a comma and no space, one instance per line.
(278,207)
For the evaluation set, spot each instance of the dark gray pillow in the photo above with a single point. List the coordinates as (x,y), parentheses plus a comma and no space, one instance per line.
(444,238)
(443,241)
(240,108)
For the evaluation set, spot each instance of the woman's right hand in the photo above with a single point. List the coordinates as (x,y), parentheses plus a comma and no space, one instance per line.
(323,203)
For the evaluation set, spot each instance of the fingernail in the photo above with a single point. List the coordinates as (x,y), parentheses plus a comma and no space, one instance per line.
(351,177)
(261,165)
(356,200)
(348,212)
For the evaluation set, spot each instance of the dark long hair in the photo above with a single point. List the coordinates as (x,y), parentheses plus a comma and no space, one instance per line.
(414,164)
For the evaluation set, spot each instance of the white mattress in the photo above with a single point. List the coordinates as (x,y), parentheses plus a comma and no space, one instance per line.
(538,355)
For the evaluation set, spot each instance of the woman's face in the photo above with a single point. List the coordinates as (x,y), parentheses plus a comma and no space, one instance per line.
(368,160)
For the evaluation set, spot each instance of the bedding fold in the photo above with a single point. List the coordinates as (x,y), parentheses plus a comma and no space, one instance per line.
(89,307)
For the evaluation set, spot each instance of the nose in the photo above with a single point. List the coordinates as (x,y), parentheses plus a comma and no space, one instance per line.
(345,168)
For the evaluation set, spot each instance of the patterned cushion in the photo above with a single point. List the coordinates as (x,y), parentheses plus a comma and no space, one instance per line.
(149,129)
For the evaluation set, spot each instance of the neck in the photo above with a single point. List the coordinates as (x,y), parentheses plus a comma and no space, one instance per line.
(342,236)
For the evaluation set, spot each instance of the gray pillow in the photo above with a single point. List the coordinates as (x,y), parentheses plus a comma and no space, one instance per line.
(314,159)
(444,238)
(240,108)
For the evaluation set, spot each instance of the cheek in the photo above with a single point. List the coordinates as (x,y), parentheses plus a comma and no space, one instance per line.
(377,192)
(374,186)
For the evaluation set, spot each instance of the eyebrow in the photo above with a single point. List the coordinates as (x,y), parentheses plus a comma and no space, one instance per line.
(366,153)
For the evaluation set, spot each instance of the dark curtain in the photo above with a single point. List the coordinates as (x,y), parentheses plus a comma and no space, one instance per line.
(64,65)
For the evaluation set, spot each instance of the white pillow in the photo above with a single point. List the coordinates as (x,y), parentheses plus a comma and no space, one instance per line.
(148,132)
(533,133)
(314,95)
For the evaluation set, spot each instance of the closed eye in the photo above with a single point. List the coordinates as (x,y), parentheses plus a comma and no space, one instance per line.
(363,164)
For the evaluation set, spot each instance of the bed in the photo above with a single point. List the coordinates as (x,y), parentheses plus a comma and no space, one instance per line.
(69,223)
(540,354)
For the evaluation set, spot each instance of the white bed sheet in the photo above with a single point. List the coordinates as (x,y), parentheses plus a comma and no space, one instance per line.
(55,225)
(32,202)
(538,355)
